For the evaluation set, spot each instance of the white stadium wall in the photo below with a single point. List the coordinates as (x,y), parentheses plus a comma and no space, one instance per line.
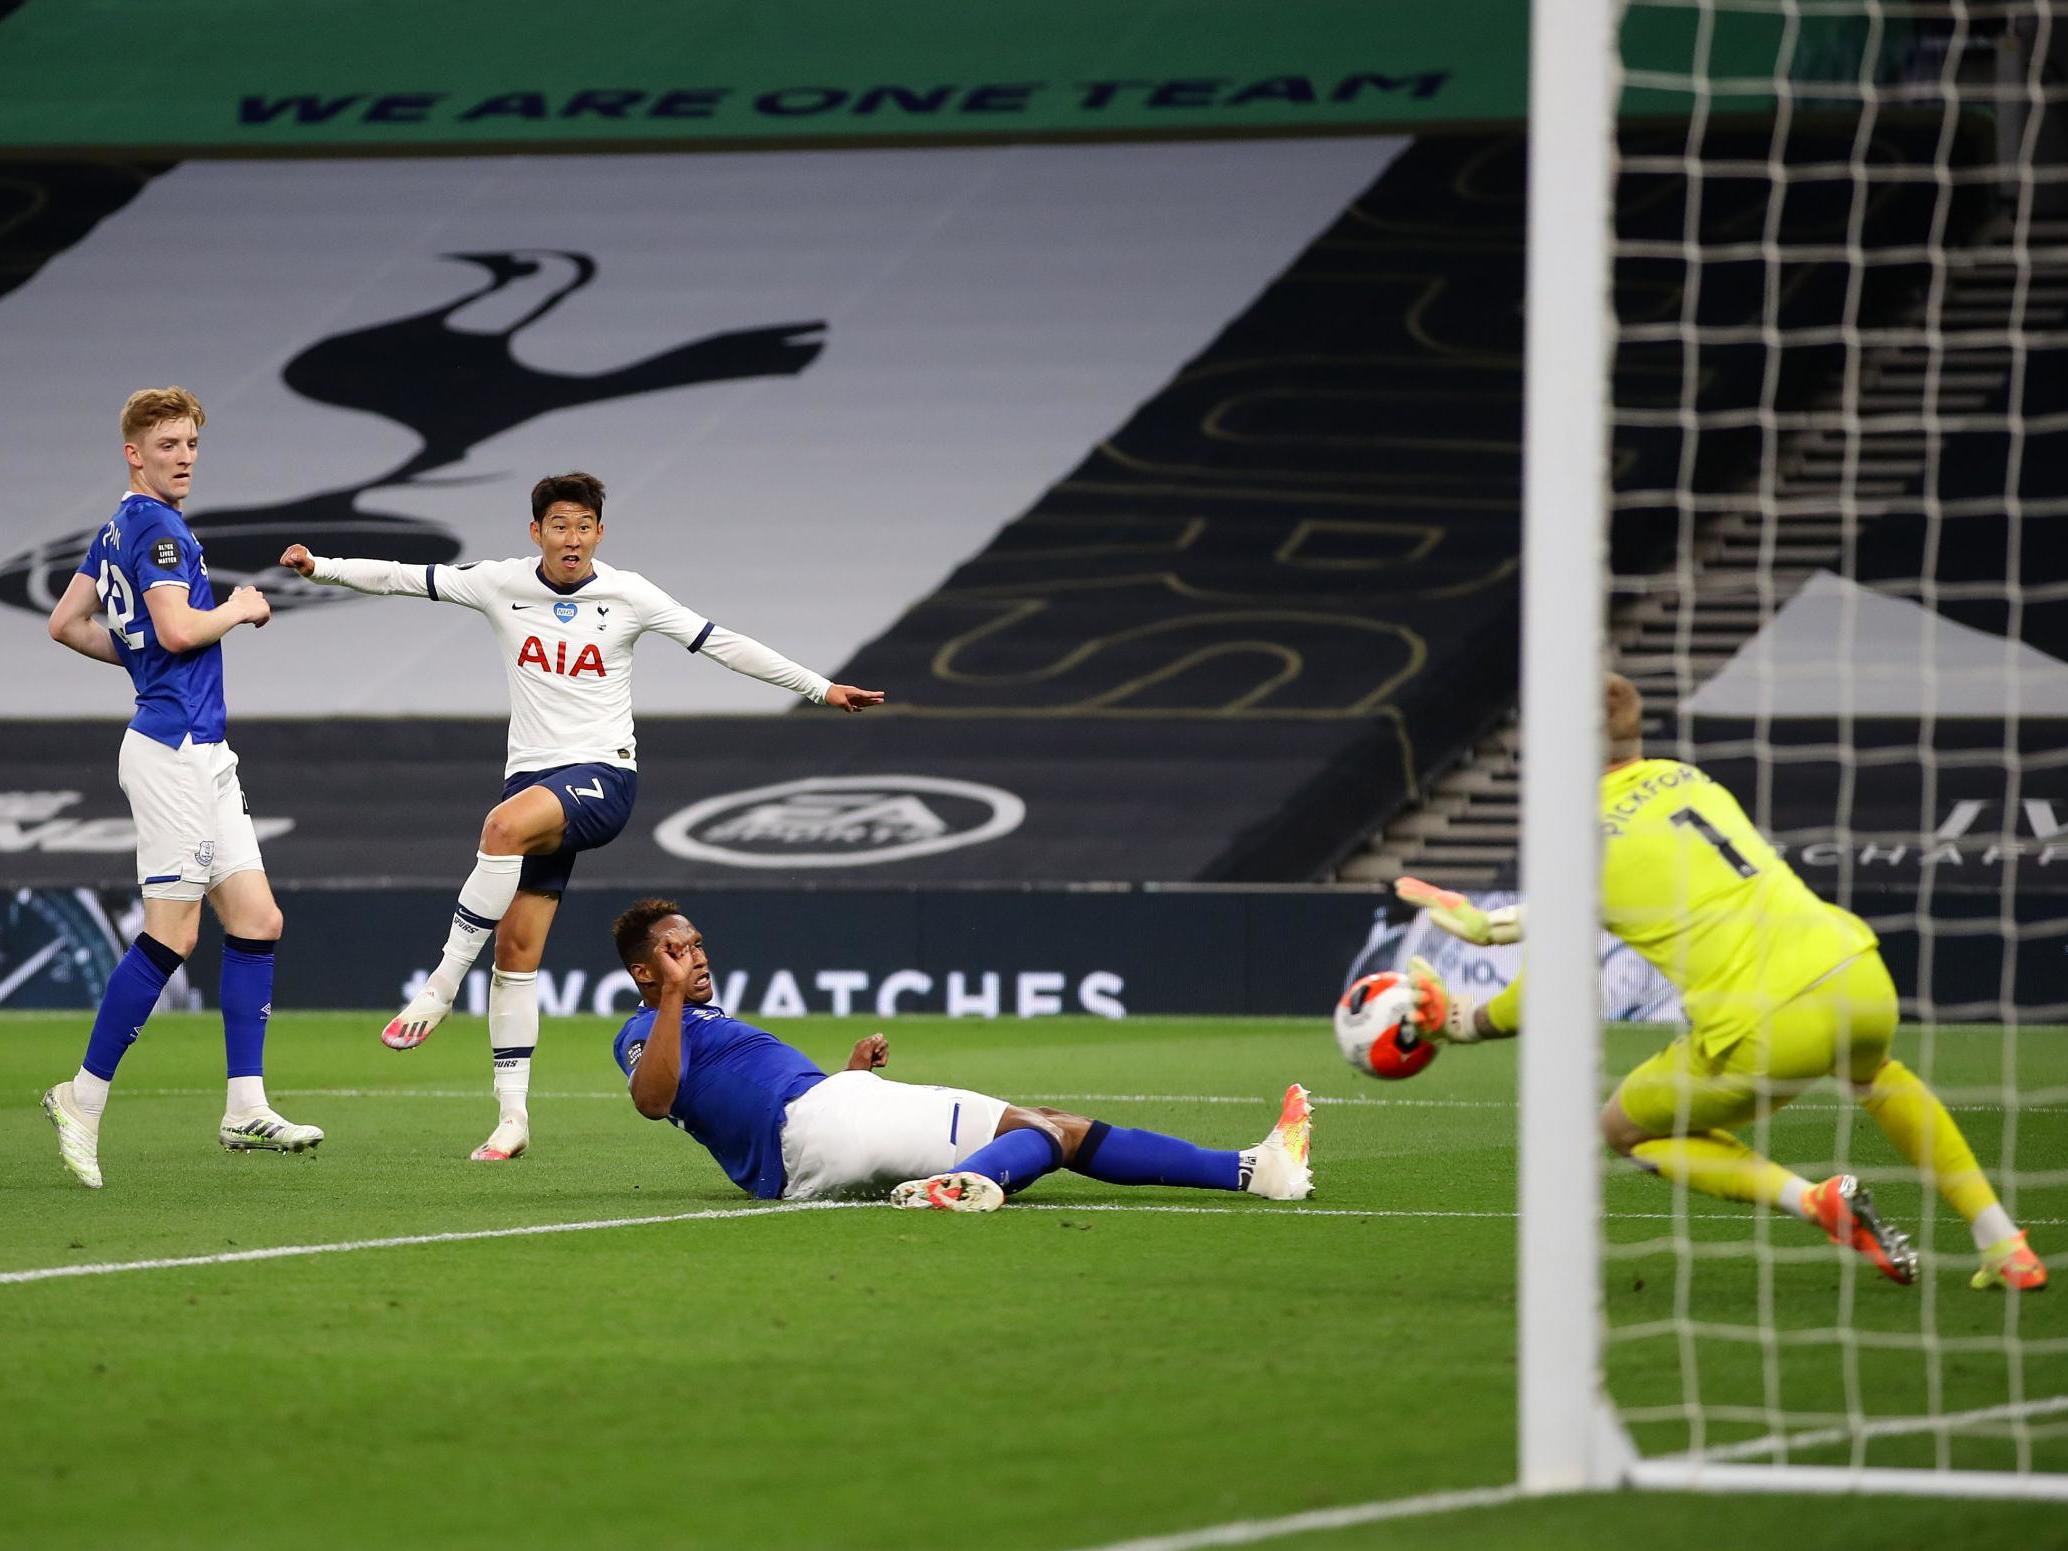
(926,352)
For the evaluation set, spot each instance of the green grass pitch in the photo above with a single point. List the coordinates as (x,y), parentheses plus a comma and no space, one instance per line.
(1071,1372)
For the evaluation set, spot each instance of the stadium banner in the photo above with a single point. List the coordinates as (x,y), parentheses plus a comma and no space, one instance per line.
(801,800)
(1952,953)
(777,953)
(235,78)
(813,383)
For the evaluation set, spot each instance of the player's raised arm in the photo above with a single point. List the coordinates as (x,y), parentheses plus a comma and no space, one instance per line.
(387,578)
(1457,914)
(72,623)
(659,1070)
(744,654)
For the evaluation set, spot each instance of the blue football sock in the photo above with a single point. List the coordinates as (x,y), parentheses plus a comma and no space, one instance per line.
(1015,1158)
(1121,1157)
(126,1004)
(247,998)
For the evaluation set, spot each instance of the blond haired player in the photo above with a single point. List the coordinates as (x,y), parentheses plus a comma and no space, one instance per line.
(1781,988)
(141,600)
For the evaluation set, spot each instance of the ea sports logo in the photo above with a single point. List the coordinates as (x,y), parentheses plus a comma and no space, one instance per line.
(841,821)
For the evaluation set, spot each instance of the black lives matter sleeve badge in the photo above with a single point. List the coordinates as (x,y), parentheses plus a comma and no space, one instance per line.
(165,555)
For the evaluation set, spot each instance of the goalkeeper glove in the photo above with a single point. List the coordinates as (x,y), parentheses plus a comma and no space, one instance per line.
(1459,916)
(1440,1013)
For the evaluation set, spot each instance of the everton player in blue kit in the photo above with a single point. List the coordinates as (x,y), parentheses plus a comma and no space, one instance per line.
(779,1126)
(145,577)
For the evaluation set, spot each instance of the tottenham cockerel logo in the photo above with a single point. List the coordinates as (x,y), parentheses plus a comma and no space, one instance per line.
(454,388)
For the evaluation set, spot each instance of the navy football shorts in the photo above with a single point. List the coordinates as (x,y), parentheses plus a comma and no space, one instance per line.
(597,800)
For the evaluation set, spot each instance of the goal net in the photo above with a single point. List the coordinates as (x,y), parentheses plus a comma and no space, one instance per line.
(1820,272)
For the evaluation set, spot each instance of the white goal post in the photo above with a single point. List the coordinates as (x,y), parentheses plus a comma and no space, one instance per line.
(1570,1436)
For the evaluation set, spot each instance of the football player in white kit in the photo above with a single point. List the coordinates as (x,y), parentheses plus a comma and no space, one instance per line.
(145,579)
(566,624)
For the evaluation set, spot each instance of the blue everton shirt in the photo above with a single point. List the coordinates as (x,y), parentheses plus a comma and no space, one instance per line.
(148,544)
(735,1081)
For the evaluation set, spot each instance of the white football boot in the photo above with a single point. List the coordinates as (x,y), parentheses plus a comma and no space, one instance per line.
(78,1139)
(412,1026)
(508,1140)
(1276,1168)
(960,1191)
(265,1130)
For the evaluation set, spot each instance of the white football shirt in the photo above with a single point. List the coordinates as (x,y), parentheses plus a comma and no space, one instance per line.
(567,651)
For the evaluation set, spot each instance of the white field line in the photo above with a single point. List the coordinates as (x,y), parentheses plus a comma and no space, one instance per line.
(729,1213)
(352,1246)
(1247,1532)
(1801,1106)
(1881,1427)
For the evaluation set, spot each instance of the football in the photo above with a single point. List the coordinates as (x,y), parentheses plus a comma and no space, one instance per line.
(1375,1029)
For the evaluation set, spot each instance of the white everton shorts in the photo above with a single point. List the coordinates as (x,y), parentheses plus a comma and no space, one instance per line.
(193,826)
(857,1134)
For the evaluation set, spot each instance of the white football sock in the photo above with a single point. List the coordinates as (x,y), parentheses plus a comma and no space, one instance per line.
(246,1094)
(1792,1191)
(89,1097)
(1991,1227)
(513,1033)
(484,900)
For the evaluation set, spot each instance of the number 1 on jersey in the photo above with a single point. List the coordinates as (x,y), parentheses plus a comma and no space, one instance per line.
(1687,818)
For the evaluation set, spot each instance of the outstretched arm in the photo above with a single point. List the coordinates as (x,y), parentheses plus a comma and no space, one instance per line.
(1459,916)
(744,654)
(381,578)
(869,1053)
(1449,1015)
(72,622)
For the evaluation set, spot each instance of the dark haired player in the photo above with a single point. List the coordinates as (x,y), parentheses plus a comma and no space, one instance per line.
(779,1126)
(566,624)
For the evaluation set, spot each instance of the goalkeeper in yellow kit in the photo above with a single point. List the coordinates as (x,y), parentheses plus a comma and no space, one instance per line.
(1781,989)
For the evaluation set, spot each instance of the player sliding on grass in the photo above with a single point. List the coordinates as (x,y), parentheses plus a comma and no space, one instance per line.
(145,576)
(566,624)
(1781,989)
(779,1126)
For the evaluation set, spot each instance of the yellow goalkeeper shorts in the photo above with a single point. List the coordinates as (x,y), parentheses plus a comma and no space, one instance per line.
(1839,1026)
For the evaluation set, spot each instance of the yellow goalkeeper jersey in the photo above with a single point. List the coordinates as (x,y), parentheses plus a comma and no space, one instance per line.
(1689,883)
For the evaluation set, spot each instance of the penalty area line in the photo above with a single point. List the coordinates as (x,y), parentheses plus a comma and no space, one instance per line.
(1248,1532)
(1258,1210)
(2045,1105)
(411,1240)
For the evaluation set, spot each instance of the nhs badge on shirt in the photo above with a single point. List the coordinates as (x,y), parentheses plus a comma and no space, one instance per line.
(564,612)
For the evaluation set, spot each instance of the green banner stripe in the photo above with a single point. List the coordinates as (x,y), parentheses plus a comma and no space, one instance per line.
(231,75)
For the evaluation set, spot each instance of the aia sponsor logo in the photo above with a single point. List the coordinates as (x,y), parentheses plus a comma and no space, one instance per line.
(841,821)
(533,654)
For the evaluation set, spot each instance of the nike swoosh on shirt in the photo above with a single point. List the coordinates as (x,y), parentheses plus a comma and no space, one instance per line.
(524,605)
